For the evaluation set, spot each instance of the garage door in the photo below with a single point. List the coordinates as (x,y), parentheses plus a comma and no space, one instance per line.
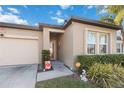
(18,51)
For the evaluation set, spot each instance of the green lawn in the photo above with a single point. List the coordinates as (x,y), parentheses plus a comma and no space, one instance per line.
(64,82)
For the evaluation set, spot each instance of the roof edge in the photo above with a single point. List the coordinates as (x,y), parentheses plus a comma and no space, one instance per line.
(82,20)
(19,26)
(96,23)
(64,26)
(51,26)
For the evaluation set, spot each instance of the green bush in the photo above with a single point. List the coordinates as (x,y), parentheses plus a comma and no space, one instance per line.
(45,56)
(106,75)
(88,60)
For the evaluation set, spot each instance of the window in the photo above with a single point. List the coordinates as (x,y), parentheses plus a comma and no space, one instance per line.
(103,43)
(91,43)
(119,35)
(95,39)
(119,47)
(119,44)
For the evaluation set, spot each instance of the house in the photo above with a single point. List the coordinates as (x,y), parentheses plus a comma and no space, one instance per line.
(22,44)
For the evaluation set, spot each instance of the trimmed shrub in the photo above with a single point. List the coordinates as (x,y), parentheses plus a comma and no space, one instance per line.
(106,75)
(88,60)
(45,56)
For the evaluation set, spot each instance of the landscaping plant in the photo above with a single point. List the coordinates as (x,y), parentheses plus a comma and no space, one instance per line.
(106,75)
(87,61)
(45,57)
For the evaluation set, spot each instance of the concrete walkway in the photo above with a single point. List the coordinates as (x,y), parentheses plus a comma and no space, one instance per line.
(59,71)
(21,76)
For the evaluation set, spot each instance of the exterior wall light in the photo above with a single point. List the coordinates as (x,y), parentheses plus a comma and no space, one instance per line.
(78,64)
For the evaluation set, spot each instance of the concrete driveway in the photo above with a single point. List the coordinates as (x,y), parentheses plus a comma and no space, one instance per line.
(21,76)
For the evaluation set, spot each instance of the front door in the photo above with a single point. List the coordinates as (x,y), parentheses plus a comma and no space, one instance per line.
(53,51)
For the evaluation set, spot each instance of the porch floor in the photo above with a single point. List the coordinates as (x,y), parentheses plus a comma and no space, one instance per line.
(59,71)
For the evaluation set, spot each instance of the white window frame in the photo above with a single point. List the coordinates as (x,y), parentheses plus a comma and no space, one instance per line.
(97,41)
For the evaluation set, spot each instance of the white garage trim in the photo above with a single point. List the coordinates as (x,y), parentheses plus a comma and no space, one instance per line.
(56,31)
(20,37)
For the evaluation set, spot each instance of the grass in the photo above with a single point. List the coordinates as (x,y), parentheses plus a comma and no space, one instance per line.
(64,82)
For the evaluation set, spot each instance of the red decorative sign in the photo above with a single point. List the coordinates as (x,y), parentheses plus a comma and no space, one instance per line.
(47,65)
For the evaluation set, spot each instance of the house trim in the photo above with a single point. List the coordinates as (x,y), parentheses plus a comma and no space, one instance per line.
(19,26)
(20,37)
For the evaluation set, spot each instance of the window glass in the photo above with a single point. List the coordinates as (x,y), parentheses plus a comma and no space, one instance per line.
(91,42)
(91,48)
(118,35)
(91,38)
(103,39)
(119,47)
(103,44)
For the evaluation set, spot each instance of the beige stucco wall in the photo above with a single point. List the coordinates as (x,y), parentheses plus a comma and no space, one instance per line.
(25,35)
(65,50)
(74,41)
(80,38)
(46,39)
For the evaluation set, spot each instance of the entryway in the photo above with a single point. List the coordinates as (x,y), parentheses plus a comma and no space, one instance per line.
(54,45)
(53,49)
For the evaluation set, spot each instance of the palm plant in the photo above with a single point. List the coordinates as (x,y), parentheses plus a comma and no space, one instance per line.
(117,13)
(119,18)
(107,19)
